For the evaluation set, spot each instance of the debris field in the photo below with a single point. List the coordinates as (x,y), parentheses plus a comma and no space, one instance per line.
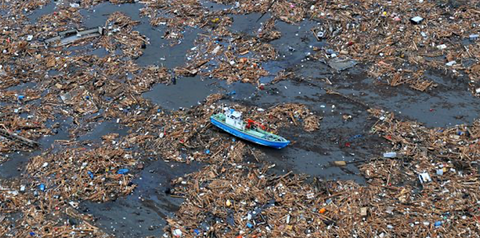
(55,89)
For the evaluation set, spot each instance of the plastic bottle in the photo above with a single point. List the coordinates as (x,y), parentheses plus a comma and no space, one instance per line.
(392,154)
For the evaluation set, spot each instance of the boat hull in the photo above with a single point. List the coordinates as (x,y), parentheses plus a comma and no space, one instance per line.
(245,136)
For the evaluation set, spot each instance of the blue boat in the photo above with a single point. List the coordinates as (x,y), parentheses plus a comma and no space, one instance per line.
(231,122)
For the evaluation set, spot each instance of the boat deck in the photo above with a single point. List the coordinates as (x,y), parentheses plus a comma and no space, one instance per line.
(256,132)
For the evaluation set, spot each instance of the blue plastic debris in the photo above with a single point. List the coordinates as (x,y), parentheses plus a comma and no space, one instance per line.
(249,225)
(438,223)
(42,187)
(356,137)
(90,174)
(21,97)
(122,171)
(197,232)
(32,233)
(87,97)
(207,152)
(330,51)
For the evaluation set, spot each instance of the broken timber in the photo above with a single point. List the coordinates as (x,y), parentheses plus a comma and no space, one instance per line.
(21,139)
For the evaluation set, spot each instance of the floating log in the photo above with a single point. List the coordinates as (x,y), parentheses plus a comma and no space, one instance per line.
(15,137)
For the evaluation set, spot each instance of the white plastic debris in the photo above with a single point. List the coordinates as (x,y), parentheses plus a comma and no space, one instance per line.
(451,63)
(177,233)
(215,51)
(73,204)
(424,177)
(416,19)
(320,34)
(392,154)
(440,172)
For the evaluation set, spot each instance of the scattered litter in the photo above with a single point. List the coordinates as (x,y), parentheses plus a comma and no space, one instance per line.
(390,154)
(364,211)
(451,63)
(177,233)
(87,88)
(424,177)
(440,172)
(416,20)
(441,47)
(122,171)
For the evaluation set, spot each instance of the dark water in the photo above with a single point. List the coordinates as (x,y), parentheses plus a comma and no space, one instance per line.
(449,104)
(159,51)
(102,129)
(16,163)
(143,212)
(47,9)
(174,96)
(212,6)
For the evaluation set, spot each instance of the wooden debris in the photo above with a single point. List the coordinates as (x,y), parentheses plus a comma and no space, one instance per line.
(17,138)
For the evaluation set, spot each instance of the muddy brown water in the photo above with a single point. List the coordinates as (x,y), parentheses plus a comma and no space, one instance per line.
(143,213)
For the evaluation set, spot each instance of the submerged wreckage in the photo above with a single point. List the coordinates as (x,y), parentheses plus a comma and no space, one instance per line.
(70,36)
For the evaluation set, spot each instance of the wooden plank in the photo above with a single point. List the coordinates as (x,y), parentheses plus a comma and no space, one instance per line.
(21,139)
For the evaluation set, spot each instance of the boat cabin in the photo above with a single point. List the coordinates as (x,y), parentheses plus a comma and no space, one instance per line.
(234,118)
